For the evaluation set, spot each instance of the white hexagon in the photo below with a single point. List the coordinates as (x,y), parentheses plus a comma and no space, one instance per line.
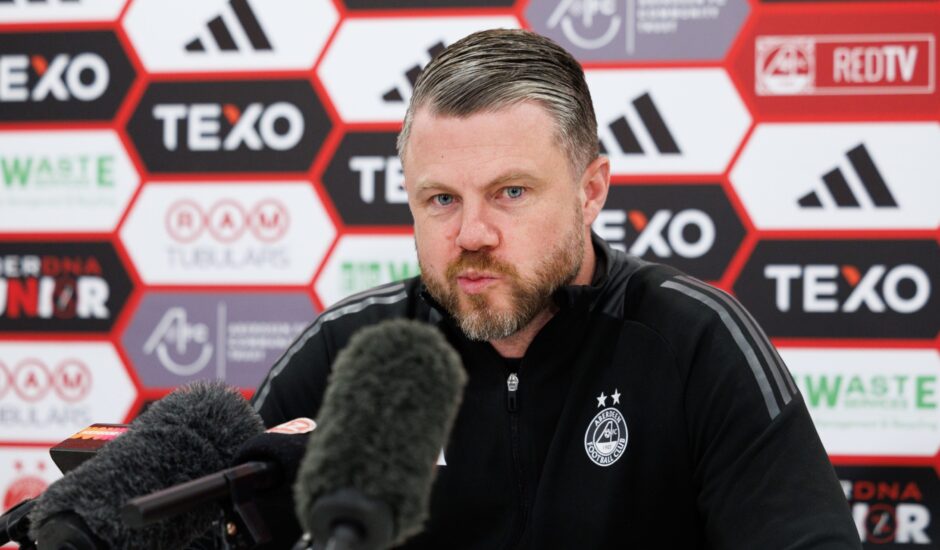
(360,262)
(66,180)
(234,35)
(25,472)
(25,11)
(371,63)
(841,176)
(227,233)
(667,121)
(873,402)
(55,389)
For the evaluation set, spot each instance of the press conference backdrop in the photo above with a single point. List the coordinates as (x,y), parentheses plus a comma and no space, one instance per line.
(185,185)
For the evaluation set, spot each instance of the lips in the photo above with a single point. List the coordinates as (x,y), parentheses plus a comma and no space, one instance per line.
(473,282)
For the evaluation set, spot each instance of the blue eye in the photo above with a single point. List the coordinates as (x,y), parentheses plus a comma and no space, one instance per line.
(443,199)
(514,192)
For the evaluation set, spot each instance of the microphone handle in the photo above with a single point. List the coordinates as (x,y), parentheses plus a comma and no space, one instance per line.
(14,523)
(178,499)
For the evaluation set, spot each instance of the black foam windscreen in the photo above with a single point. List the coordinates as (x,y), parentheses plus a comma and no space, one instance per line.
(191,432)
(389,405)
(275,504)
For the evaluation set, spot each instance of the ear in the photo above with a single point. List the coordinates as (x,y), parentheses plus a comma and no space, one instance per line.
(595,182)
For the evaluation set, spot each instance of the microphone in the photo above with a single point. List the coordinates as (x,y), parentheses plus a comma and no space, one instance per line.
(67,455)
(391,400)
(259,488)
(192,431)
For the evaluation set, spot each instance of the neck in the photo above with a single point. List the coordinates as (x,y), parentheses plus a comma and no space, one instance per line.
(515,345)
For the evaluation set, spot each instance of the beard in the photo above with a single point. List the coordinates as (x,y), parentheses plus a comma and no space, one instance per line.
(478,315)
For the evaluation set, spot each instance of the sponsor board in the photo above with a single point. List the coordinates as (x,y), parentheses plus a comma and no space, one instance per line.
(63,181)
(365,180)
(177,338)
(229,126)
(871,401)
(62,76)
(360,262)
(649,123)
(53,287)
(354,5)
(57,388)
(892,507)
(690,227)
(860,64)
(25,472)
(229,35)
(244,233)
(47,11)
(848,176)
(842,288)
(845,64)
(639,30)
(375,84)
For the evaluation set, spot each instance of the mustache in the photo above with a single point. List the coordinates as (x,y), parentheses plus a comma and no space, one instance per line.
(481,261)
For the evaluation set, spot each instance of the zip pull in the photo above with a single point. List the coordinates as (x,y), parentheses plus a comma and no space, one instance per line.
(512,384)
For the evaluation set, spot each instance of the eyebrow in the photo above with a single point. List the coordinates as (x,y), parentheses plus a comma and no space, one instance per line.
(499,180)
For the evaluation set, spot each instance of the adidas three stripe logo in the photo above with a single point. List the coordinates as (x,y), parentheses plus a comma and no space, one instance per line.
(221,33)
(838,189)
(652,120)
(395,95)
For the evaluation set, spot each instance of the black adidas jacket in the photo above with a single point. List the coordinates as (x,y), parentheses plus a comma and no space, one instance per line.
(650,412)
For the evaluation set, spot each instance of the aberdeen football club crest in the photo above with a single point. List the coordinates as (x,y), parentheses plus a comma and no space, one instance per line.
(606,437)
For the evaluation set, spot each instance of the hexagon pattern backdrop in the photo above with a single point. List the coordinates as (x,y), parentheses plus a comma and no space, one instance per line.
(185,185)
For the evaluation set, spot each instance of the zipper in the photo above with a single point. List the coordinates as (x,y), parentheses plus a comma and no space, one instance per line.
(512,395)
(512,405)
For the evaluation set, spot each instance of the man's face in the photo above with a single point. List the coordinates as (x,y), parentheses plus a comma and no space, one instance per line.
(499,221)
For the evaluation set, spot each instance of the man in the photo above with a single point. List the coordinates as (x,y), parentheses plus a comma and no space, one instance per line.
(611,403)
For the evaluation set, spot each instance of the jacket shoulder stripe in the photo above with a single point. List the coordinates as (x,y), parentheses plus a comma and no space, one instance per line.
(363,301)
(771,358)
(773,409)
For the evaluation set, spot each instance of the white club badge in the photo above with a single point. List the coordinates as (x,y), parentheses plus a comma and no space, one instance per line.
(606,436)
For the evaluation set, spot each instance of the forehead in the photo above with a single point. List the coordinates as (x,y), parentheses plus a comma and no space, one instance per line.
(517,137)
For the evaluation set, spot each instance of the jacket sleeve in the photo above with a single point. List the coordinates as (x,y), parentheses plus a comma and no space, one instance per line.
(765,479)
(295,384)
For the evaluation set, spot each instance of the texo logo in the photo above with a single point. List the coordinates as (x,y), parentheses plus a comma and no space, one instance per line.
(389,169)
(691,227)
(254,128)
(821,285)
(365,180)
(84,77)
(662,234)
(229,126)
(227,220)
(38,80)
(853,289)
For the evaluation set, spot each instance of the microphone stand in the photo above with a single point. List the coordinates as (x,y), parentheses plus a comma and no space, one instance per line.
(14,525)
(241,526)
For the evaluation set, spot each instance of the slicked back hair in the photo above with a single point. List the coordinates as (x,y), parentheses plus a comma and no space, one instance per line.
(494,69)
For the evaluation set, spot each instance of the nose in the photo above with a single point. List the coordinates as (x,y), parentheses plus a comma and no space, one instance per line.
(477,232)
